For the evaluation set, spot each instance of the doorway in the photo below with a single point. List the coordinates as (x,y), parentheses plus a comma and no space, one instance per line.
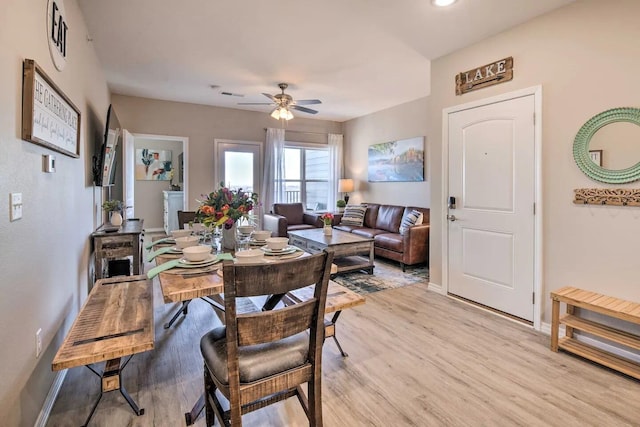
(146,195)
(239,166)
(492,191)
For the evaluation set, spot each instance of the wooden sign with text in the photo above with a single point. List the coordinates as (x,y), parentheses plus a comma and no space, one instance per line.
(488,75)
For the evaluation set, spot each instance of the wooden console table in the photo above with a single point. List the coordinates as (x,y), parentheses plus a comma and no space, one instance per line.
(606,305)
(116,321)
(121,243)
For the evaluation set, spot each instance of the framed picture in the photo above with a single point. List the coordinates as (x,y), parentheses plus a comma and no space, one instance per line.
(153,165)
(49,118)
(397,161)
(596,157)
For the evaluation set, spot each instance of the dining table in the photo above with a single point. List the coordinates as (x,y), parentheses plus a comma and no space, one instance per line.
(182,285)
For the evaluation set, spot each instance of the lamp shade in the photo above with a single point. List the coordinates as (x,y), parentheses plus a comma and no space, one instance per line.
(345,185)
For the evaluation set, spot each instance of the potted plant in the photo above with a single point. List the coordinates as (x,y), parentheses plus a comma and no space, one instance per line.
(113,208)
(327,220)
(340,204)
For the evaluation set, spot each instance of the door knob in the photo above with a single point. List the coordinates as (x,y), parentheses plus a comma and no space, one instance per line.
(451,218)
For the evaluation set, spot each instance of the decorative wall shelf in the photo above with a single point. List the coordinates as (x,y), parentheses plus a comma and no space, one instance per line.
(607,196)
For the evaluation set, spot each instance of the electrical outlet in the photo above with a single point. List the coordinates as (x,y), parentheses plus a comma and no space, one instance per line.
(38,342)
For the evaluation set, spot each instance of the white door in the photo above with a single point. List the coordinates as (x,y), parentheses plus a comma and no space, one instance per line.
(128,179)
(239,165)
(491,229)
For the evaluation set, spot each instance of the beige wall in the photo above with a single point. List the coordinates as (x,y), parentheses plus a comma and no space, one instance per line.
(202,124)
(586,56)
(45,255)
(404,121)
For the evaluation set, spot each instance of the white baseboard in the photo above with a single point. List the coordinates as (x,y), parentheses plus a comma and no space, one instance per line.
(436,288)
(43,417)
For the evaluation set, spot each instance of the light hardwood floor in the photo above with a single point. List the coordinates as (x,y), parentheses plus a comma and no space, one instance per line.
(416,358)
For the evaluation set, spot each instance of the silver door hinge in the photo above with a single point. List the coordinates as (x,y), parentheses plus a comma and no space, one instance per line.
(533,298)
(534,208)
(534,119)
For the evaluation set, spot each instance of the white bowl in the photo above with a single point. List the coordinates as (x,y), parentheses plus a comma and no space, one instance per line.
(245,229)
(185,242)
(249,256)
(180,233)
(277,243)
(261,235)
(196,253)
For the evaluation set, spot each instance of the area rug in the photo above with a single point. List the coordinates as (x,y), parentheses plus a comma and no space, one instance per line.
(386,275)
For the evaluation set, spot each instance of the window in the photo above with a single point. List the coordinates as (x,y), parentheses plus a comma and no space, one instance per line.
(306,176)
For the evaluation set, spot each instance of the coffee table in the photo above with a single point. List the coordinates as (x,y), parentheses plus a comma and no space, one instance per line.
(351,252)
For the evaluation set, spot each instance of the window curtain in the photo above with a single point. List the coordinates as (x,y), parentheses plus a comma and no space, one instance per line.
(273,180)
(335,168)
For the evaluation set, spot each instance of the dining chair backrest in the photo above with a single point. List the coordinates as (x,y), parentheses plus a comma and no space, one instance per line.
(185,217)
(262,357)
(276,278)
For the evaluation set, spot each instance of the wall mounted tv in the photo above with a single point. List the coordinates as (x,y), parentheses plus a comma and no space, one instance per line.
(104,164)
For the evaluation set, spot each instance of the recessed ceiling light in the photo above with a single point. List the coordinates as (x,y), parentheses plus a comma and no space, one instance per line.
(443,3)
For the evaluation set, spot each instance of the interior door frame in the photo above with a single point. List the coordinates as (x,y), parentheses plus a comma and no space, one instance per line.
(536,91)
(216,153)
(130,165)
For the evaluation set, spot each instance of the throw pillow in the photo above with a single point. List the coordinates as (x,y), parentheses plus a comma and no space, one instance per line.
(353,215)
(413,218)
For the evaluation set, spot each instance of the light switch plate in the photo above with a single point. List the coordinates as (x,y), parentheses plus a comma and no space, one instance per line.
(15,209)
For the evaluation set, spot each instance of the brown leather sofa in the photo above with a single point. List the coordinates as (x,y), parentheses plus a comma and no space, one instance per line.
(287,217)
(382,223)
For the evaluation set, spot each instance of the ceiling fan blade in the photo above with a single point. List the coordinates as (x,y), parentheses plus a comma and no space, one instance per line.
(271,97)
(255,103)
(303,109)
(307,101)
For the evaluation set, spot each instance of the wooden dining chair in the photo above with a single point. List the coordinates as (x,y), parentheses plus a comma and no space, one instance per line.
(185,217)
(263,357)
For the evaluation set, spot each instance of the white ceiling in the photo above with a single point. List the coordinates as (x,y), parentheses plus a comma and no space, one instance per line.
(357,56)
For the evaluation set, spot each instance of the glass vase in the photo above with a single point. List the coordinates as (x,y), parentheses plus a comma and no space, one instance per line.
(328,231)
(229,237)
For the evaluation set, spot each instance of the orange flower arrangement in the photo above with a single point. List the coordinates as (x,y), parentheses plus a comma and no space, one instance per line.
(225,207)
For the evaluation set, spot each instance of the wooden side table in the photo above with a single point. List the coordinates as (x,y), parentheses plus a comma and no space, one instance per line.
(121,243)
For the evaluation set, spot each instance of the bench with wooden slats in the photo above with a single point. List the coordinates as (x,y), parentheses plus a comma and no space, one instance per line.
(609,306)
(116,321)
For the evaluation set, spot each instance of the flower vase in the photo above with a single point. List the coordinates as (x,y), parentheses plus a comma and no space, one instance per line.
(115,219)
(328,231)
(229,237)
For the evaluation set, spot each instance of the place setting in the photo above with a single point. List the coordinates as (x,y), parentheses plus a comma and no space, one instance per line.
(198,258)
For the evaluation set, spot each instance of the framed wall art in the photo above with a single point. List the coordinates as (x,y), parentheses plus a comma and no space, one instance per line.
(49,118)
(153,165)
(397,161)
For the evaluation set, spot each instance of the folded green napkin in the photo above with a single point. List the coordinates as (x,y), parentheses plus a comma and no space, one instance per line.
(224,256)
(157,242)
(160,251)
(176,262)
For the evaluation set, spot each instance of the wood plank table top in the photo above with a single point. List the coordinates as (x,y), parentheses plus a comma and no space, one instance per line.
(115,321)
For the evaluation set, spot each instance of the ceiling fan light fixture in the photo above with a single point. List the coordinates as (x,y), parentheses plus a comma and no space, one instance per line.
(282,113)
(443,3)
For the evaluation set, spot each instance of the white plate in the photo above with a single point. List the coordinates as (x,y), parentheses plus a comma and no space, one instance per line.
(210,260)
(286,250)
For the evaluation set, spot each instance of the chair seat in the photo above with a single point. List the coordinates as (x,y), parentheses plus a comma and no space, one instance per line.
(256,361)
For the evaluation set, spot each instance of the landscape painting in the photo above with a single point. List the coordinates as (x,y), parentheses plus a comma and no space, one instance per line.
(153,165)
(397,161)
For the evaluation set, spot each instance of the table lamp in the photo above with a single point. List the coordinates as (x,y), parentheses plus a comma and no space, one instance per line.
(345,186)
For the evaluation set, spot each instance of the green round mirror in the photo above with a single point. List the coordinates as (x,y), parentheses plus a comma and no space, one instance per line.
(591,162)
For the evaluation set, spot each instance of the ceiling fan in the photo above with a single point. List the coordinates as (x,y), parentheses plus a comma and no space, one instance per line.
(284,103)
